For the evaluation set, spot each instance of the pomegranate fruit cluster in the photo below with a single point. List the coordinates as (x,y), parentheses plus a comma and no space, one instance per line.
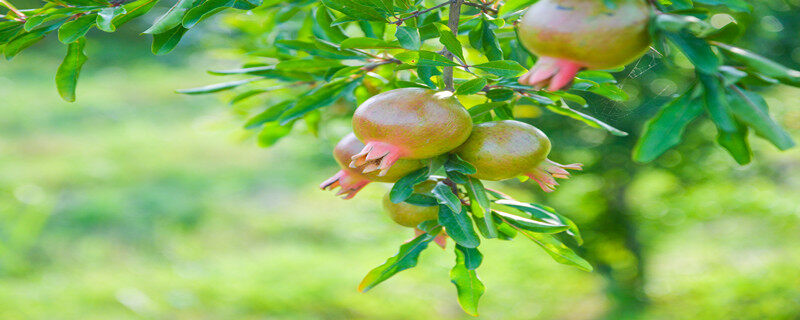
(399,131)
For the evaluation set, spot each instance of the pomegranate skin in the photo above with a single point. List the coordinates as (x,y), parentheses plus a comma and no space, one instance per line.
(352,180)
(569,35)
(409,123)
(506,149)
(409,215)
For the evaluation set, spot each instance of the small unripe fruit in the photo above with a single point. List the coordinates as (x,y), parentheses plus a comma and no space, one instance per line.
(569,35)
(409,215)
(408,123)
(352,180)
(506,149)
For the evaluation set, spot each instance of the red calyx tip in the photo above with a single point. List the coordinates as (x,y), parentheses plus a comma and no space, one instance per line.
(553,73)
(547,172)
(349,185)
(376,156)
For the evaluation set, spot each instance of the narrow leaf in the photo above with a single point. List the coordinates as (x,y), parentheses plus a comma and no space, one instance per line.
(468,285)
(471,87)
(502,68)
(665,129)
(406,258)
(171,19)
(459,227)
(73,30)
(751,109)
(216,87)
(70,69)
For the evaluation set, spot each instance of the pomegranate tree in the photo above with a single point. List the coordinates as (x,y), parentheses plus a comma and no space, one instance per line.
(570,35)
(303,56)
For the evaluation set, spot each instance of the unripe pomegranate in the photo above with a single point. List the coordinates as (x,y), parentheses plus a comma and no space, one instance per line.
(506,149)
(409,215)
(408,123)
(569,35)
(353,180)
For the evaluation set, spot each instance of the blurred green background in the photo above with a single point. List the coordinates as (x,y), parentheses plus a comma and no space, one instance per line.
(135,202)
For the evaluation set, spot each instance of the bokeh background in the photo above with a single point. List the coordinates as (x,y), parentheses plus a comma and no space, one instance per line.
(139,203)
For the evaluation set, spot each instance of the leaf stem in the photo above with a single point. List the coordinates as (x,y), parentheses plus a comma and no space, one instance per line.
(14,9)
(419,12)
(452,23)
(484,7)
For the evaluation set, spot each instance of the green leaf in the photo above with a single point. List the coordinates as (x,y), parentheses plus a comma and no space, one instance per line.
(455,163)
(171,19)
(368,43)
(697,50)
(422,58)
(735,5)
(404,187)
(665,129)
(458,226)
(735,142)
(70,69)
(324,21)
(565,110)
(268,115)
(105,18)
(677,23)
(422,200)
(406,258)
(445,195)
(544,213)
(216,87)
(165,42)
(471,87)
(481,210)
(19,43)
(355,9)
(211,7)
(76,29)
(318,98)
(472,257)
(481,109)
(468,285)
(716,104)
(762,65)
(272,132)
(408,37)
(306,64)
(751,109)
(510,6)
(531,225)
(502,68)
(557,250)
(133,10)
(451,43)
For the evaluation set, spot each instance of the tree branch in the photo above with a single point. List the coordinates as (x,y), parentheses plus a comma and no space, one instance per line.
(482,6)
(416,13)
(452,23)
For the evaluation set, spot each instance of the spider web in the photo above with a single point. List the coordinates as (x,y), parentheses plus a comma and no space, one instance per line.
(614,110)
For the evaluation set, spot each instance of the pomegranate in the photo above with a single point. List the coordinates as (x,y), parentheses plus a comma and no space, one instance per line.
(353,180)
(569,35)
(506,149)
(409,215)
(408,123)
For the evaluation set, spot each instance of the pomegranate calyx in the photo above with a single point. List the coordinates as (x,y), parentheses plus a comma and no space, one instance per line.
(553,73)
(376,156)
(349,184)
(546,173)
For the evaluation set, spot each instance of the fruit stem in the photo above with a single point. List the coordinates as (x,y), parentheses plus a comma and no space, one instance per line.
(452,23)
(14,9)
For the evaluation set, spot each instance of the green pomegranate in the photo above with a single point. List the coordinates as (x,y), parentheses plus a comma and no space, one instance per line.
(506,149)
(408,123)
(409,215)
(353,180)
(570,35)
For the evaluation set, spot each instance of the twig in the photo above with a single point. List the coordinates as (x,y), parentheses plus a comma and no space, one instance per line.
(484,7)
(420,12)
(452,23)
(14,9)
(372,66)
